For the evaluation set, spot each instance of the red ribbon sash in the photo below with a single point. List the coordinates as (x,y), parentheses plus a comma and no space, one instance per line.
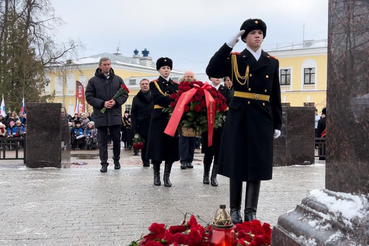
(183,100)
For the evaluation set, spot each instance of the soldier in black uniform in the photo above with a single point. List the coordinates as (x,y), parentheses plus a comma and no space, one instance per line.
(160,146)
(254,116)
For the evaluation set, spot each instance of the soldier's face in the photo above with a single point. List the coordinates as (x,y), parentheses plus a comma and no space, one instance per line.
(105,67)
(215,81)
(254,39)
(144,85)
(164,71)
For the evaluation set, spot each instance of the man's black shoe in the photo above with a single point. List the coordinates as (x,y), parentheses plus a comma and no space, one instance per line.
(183,165)
(189,165)
(116,165)
(104,168)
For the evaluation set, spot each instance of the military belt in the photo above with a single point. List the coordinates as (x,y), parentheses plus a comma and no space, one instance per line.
(254,96)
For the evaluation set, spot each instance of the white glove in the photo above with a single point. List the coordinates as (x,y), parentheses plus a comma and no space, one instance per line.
(277,133)
(233,41)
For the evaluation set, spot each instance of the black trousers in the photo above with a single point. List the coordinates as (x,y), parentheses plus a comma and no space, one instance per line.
(102,139)
(144,158)
(187,148)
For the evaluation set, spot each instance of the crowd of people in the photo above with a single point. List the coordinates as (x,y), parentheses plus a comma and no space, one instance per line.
(13,126)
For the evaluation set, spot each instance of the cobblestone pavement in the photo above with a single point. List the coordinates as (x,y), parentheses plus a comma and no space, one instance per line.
(81,206)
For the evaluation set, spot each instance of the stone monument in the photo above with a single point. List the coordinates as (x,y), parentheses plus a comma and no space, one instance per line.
(339,215)
(45,124)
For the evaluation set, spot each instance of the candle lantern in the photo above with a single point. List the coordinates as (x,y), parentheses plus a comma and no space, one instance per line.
(222,233)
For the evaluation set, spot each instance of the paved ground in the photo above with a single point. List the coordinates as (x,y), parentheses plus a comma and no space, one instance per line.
(81,206)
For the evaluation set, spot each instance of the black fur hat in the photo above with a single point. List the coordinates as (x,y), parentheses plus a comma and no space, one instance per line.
(164,61)
(253,24)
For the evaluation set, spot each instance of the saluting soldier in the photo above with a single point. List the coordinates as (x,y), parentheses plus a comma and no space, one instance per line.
(160,146)
(254,116)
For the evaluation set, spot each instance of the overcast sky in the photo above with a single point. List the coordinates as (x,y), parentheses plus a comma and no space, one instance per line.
(188,31)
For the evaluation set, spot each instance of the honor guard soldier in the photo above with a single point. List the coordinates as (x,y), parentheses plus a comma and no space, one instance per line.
(160,146)
(254,116)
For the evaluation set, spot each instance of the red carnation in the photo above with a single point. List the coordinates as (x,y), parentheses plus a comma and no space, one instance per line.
(197,98)
(213,93)
(172,104)
(203,103)
(175,229)
(197,108)
(186,88)
(218,101)
(180,238)
(173,96)
(179,93)
(157,228)
(223,107)
(200,92)
(187,108)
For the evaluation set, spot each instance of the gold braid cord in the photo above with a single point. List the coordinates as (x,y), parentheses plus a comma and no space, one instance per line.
(236,73)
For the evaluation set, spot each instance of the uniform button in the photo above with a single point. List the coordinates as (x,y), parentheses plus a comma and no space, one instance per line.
(263,104)
(267,76)
(249,89)
(248,102)
(265,90)
(250,74)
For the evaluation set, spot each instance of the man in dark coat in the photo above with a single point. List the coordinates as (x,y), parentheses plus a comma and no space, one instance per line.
(321,133)
(160,146)
(254,116)
(142,107)
(99,93)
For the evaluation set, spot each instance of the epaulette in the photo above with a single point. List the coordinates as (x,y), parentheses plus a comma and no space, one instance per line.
(273,57)
(236,53)
(154,80)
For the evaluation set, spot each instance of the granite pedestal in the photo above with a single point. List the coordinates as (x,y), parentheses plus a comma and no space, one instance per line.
(296,143)
(44,135)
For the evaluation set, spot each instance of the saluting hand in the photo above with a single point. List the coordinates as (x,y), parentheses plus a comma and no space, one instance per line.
(233,41)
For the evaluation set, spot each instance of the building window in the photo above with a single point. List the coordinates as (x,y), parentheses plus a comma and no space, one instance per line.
(309,76)
(285,77)
(132,81)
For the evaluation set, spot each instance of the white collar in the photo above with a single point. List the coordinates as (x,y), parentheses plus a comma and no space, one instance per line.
(167,79)
(256,54)
(216,87)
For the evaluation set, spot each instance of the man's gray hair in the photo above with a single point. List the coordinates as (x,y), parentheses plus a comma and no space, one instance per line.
(144,80)
(103,59)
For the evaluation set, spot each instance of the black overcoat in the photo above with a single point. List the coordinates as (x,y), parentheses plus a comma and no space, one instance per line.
(217,134)
(100,89)
(160,146)
(246,152)
(142,108)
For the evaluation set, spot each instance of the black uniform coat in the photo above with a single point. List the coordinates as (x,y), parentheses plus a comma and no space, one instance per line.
(217,134)
(142,108)
(161,146)
(99,89)
(246,152)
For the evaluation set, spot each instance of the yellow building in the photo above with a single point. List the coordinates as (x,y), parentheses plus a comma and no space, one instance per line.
(303,72)
(130,69)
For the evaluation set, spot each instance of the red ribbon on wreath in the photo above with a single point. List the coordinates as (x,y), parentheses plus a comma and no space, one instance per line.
(183,100)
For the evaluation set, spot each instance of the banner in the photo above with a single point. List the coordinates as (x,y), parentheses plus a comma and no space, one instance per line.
(80,98)
(2,108)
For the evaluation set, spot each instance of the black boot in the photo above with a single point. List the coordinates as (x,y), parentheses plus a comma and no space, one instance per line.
(168,167)
(183,165)
(116,164)
(213,178)
(207,164)
(251,202)
(156,167)
(104,168)
(235,200)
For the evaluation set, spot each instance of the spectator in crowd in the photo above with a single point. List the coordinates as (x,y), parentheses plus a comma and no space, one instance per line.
(187,145)
(84,120)
(254,117)
(142,107)
(22,118)
(213,151)
(3,120)
(99,93)
(78,136)
(321,131)
(317,118)
(160,146)
(88,116)
(12,117)
(20,128)
(2,130)
(91,135)
(76,117)
(12,129)
(126,129)
(228,83)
